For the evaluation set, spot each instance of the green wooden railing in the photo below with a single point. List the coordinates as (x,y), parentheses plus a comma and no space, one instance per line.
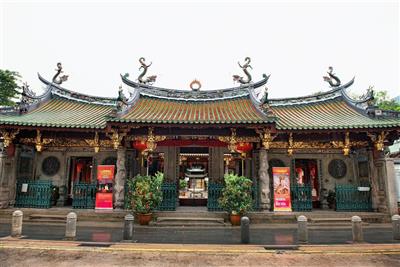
(349,198)
(301,197)
(255,190)
(169,197)
(214,193)
(84,196)
(38,194)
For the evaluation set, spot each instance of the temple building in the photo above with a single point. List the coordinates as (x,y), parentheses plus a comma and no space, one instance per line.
(333,144)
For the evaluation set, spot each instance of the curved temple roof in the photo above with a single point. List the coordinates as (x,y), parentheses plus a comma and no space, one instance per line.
(60,107)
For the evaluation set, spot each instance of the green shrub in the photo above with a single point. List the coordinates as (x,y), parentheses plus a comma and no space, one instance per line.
(145,193)
(236,195)
(182,184)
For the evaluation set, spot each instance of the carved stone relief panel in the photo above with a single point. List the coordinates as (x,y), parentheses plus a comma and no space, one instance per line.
(337,168)
(50,166)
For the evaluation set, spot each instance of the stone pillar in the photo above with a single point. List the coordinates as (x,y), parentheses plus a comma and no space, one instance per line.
(264,180)
(216,164)
(170,163)
(120,177)
(4,190)
(373,175)
(7,178)
(390,186)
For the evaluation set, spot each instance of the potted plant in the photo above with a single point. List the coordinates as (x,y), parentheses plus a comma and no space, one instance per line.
(236,196)
(182,187)
(145,195)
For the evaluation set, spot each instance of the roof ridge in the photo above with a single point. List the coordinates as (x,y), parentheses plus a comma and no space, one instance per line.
(308,99)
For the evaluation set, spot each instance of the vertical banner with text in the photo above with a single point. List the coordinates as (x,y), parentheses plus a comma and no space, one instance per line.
(281,178)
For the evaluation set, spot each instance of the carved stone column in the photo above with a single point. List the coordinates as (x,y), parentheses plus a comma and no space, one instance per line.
(120,178)
(7,177)
(170,163)
(383,184)
(216,164)
(373,176)
(4,190)
(264,180)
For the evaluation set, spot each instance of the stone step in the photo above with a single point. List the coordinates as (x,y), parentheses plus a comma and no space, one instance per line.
(365,219)
(187,221)
(186,214)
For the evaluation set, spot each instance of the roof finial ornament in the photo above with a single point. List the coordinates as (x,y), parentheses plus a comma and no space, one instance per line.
(331,76)
(195,85)
(245,66)
(141,79)
(121,100)
(59,71)
(26,98)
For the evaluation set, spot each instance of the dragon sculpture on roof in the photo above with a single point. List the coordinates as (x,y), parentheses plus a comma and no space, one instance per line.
(61,79)
(332,79)
(149,79)
(245,66)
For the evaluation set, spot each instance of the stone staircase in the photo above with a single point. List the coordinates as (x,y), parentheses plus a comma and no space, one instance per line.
(190,218)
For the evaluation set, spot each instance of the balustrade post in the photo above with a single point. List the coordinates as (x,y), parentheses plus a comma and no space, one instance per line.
(396,227)
(357,229)
(245,230)
(16,223)
(70,229)
(302,230)
(128,227)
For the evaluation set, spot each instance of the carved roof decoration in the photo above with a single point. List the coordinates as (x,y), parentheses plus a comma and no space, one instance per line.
(190,95)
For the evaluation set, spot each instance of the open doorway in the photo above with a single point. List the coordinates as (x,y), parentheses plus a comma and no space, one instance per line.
(306,171)
(80,172)
(193,176)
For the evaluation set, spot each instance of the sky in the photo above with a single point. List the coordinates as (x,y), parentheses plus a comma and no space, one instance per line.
(294,41)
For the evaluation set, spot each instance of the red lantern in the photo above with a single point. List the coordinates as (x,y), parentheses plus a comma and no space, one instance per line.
(244,147)
(139,145)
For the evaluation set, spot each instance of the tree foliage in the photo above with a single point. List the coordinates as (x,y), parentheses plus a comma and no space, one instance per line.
(383,101)
(8,87)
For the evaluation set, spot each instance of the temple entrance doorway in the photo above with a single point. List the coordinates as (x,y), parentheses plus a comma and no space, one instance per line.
(193,176)
(306,173)
(80,172)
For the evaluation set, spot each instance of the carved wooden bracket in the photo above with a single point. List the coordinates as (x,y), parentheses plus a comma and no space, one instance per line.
(290,145)
(95,142)
(116,137)
(266,137)
(8,136)
(378,139)
(231,140)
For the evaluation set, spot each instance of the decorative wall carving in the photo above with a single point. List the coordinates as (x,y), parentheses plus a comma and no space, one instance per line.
(50,165)
(337,168)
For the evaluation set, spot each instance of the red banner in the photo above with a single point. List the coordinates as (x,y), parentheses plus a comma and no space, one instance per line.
(281,178)
(104,201)
(104,195)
